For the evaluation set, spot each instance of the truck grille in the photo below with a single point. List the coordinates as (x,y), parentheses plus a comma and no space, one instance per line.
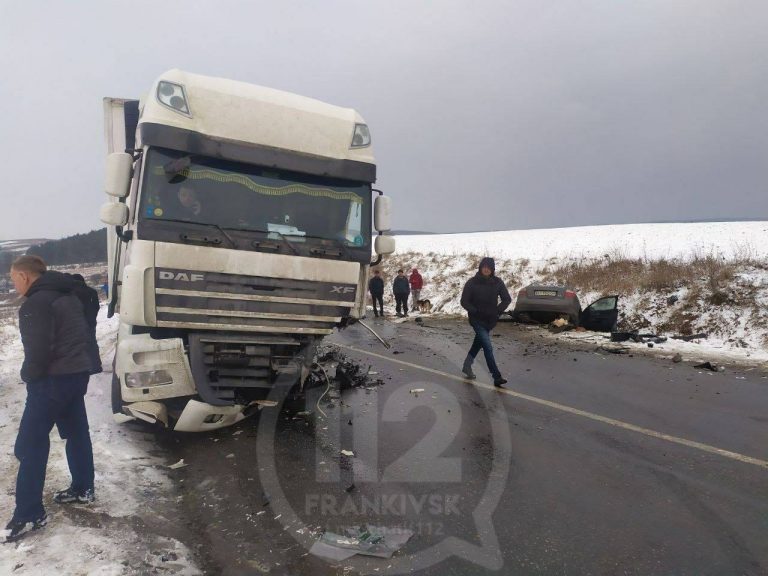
(231,369)
(215,301)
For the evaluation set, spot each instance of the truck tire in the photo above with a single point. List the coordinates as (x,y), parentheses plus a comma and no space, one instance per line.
(117,397)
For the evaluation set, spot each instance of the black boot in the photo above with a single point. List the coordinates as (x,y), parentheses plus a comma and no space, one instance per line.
(467,368)
(499,382)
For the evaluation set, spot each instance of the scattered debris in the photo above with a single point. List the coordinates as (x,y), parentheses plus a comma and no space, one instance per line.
(416,391)
(673,300)
(265,403)
(623,336)
(230,455)
(375,541)
(700,336)
(349,375)
(179,464)
(348,453)
(614,349)
(711,367)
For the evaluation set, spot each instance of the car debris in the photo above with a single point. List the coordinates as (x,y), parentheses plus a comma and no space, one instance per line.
(711,367)
(700,336)
(635,336)
(377,541)
(614,349)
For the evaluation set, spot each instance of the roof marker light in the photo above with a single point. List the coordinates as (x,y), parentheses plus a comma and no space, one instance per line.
(173,96)
(361,137)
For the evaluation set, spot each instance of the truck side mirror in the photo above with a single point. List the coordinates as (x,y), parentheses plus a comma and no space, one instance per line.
(382,214)
(114,214)
(384,245)
(118,176)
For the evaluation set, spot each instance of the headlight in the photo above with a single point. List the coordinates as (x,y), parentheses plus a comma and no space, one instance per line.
(148,379)
(361,137)
(173,96)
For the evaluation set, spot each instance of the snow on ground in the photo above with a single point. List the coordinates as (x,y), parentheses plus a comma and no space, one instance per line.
(737,327)
(648,241)
(110,537)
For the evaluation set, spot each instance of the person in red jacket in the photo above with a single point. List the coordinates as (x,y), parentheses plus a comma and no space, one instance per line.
(417,283)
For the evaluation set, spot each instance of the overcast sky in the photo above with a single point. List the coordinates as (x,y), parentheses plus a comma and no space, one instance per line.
(484,115)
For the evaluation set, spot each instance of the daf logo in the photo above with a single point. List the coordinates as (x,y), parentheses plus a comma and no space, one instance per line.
(183,276)
(342,289)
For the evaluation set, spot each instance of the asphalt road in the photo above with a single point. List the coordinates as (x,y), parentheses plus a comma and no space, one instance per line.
(587,464)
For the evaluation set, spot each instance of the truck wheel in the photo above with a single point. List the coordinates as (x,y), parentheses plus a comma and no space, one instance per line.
(117,397)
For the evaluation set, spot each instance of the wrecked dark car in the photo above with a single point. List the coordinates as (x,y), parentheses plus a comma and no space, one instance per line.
(539,303)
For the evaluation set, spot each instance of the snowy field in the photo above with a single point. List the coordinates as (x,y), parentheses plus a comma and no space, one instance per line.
(108,538)
(649,241)
(722,289)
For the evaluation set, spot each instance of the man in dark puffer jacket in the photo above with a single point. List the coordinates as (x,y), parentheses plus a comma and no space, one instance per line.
(56,368)
(484,297)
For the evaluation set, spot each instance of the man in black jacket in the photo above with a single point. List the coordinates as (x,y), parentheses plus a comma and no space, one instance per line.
(57,364)
(401,289)
(376,288)
(484,297)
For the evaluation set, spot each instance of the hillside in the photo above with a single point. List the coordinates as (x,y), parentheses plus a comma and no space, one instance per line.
(672,278)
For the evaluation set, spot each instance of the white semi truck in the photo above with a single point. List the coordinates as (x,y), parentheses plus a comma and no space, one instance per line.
(239,235)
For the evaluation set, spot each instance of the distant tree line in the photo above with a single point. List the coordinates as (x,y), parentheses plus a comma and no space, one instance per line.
(77,249)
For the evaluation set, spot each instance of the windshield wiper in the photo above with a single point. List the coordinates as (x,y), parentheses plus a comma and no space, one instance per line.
(209,224)
(284,239)
(280,235)
(340,243)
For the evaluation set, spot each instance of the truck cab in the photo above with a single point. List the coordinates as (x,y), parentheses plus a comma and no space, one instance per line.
(241,233)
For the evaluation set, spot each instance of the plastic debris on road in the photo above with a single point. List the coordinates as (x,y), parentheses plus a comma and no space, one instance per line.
(179,464)
(377,541)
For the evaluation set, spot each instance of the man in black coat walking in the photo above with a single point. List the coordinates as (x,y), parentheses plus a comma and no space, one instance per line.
(401,289)
(484,297)
(376,288)
(58,360)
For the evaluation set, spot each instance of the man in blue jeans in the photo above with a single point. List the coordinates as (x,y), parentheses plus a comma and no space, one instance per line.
(58,360)
(484,297)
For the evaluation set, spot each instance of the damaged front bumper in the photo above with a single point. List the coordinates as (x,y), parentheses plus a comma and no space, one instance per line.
(138,355)
(196,417)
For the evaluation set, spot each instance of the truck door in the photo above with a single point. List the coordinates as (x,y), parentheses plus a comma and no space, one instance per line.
(121,116)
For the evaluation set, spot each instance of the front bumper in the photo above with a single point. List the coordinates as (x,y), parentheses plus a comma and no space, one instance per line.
(196,416)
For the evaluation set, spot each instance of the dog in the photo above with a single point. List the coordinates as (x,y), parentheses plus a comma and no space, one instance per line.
(424,306)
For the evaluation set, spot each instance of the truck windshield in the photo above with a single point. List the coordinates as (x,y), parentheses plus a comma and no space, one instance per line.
(243,197)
